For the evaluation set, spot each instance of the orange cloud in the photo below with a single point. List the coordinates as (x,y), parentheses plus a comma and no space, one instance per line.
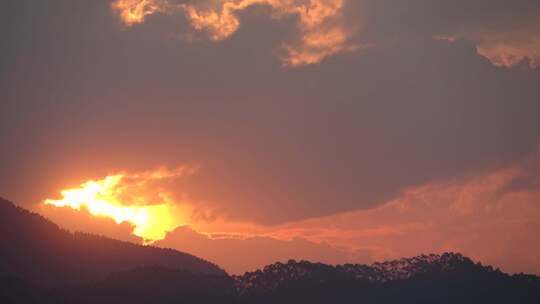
(134,11)
(322,32)
(317,45)
(493,216)
(237,255)
(503,48)
(509,52)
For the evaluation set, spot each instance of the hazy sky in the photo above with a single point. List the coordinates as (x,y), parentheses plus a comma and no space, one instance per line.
(364,129)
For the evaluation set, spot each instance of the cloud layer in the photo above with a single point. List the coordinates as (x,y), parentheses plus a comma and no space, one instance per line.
(493,216)
(320,29)
(505,35)
(442,99)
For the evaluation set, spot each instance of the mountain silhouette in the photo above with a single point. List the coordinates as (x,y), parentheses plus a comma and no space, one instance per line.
(15,290)
(37,251)
(153,284)
(41,263)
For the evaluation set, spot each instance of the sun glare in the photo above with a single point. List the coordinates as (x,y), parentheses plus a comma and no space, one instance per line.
(106,198)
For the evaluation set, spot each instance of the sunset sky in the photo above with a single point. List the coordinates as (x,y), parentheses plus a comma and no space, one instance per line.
(251,131)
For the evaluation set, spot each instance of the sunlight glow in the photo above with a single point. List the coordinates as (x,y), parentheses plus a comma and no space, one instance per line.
(124,198)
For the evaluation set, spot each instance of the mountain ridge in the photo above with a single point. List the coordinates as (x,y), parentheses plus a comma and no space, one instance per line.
(37,250)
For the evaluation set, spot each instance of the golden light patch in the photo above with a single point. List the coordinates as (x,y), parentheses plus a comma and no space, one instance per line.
(134,11)
(132,198)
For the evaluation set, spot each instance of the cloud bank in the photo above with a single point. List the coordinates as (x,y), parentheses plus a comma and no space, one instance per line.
(493,216)
(505,35)
(320,27)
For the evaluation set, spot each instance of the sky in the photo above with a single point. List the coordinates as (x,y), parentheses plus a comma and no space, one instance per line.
(329,130)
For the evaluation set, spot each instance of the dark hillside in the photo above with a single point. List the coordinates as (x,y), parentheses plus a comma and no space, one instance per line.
(40,263)
(154,285)
(38,251)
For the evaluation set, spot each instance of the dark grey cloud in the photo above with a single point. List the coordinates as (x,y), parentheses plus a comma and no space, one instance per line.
(502,31)
(527,180)
(428,17)
(82,97)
